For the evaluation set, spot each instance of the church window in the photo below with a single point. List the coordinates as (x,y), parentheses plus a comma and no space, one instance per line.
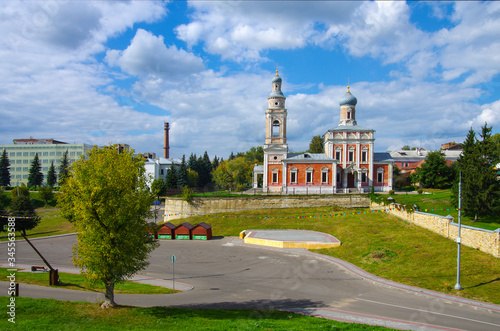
(380,175)
(293,175)
(351,156)
(309,175)
(348,115)
(364,155)
(363,177)
(324,175)
(275,177)
(337,155)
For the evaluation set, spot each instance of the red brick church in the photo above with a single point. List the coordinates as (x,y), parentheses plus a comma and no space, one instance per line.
(348,164)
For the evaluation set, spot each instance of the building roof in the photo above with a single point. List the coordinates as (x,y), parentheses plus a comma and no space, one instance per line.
(381,157)
(417,155)
(203,225)
(350,128)
(32,141)
(309,157)
(348,99)
(169,225)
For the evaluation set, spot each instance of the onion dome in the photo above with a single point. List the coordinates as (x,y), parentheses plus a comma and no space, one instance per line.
(348,99)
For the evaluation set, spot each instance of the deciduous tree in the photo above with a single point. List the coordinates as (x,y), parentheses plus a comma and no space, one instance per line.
(158,188)
(435,172)
(46,193)
(107,198)
(316,145)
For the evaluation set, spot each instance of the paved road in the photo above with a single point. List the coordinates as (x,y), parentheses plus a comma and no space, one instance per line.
(225,273)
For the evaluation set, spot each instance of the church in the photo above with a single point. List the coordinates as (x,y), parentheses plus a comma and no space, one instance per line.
(348,164)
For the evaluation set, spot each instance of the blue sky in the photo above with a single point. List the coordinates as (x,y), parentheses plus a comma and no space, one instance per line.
(102,72)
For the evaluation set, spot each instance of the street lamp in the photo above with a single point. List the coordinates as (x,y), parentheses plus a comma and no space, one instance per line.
(459,239)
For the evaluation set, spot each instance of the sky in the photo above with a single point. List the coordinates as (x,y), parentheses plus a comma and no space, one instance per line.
(106,72)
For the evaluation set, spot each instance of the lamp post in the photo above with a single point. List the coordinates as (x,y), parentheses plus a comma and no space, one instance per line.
(459,239)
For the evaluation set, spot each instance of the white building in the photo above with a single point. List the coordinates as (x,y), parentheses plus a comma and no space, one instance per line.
(158,167)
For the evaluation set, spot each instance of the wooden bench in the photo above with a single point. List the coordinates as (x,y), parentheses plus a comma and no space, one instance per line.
(37,267)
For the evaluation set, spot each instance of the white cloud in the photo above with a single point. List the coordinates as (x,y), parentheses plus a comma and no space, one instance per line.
(490,114)
(148,56)
(242,30)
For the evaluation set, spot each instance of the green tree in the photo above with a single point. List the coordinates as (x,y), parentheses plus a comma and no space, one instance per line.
(192,162)
(496,143)
(63,168)
(158,188)
(182,174)
(19,190)
(4,169)
(234,173)
(204,170)
(107,198)
(221,176)
(215,163)
(35,176)
(51,175)
(171,177)
(480,188)
(22,207)
(192,178)
(46,193)
(316,145)
(435,172)
(255,155)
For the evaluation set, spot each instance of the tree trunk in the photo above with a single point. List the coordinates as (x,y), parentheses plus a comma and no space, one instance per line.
(109,296)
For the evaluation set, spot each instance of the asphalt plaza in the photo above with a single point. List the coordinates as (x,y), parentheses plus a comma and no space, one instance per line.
(227,273)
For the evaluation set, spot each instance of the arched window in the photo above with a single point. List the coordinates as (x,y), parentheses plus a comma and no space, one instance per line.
(276,128)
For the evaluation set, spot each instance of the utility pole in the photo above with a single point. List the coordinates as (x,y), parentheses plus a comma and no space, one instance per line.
(459,239)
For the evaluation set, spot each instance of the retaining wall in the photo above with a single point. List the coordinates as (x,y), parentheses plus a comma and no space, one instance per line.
(484,240)
(178,208)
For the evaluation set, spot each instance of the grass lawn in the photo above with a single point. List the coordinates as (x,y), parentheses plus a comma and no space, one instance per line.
(45,314)
(77,282)
(380,244)
(438,202)
(51,224)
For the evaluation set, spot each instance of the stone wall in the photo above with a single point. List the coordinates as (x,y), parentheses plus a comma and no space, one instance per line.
(484,240)
(178,208)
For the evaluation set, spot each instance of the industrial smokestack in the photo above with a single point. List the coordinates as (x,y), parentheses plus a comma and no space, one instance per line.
(166,145)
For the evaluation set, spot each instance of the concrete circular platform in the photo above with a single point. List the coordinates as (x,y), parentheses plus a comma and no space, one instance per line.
(289,238)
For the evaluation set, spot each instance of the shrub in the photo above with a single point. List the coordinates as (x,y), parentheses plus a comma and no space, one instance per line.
(187,194)
(23,191)
(391,192)
(420,191)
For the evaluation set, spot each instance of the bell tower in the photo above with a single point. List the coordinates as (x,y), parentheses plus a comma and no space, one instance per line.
(276,115)
(275,146)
